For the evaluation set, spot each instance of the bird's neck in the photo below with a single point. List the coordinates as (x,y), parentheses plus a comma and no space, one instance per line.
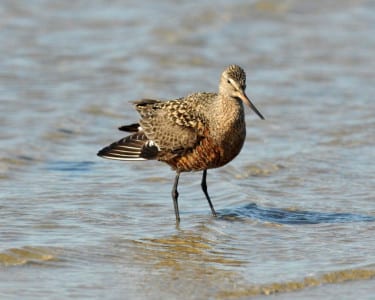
(229,115)
(230,108)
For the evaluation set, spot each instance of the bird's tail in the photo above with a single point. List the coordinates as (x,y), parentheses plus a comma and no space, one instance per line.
(135,127)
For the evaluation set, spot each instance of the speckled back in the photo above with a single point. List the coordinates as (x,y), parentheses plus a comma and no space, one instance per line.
(176,124)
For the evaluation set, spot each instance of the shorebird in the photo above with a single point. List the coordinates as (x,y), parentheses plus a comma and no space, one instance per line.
(195,133)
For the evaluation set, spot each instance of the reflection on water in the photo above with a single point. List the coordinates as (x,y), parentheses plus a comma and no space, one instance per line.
(296,207)
(174,251)
(192,262)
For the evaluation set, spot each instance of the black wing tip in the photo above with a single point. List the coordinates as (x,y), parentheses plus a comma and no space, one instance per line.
(102,152)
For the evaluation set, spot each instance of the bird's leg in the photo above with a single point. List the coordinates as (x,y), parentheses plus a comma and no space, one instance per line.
(204,188)
(175,197)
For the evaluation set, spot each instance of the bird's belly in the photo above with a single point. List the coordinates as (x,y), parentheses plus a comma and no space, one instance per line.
(207,154)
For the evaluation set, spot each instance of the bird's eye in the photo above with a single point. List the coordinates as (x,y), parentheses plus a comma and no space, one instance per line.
(228,81)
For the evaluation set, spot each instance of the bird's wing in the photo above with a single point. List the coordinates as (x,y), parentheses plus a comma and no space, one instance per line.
(133,147)
(174,125)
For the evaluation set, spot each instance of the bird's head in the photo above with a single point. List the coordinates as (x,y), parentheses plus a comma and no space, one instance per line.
(233,84)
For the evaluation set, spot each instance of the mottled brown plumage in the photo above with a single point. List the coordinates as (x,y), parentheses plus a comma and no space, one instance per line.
(195,133)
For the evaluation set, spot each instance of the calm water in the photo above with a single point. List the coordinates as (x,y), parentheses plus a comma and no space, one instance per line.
(296,208)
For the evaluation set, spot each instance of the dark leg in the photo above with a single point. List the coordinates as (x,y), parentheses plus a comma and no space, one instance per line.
(204,188)
(175,196)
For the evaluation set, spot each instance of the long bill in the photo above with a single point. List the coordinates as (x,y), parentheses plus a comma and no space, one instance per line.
(247,101)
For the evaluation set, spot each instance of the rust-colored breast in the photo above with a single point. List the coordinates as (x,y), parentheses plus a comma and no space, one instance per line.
(205,155)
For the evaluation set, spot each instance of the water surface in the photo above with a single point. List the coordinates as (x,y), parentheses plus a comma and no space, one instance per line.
(296,207)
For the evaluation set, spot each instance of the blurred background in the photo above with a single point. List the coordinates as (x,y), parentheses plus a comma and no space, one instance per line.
(296,207)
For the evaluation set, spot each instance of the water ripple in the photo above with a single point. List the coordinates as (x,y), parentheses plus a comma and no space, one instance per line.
(308,282)
(70,166)
(285,216)
(25,255)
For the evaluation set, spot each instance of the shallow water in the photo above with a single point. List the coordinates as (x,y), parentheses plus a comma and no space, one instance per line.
(295,209)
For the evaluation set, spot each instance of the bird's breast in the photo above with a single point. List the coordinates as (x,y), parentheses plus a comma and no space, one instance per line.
(210,152)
